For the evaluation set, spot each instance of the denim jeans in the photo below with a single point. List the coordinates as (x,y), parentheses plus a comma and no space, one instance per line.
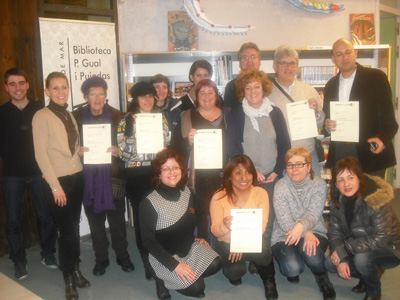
(14,189)
(366,266)
(67,218)
(292,259)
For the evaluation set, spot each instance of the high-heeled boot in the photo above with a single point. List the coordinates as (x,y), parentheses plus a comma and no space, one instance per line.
(80,281)
(267,275)
(70,287)
(162,292)
(325,285)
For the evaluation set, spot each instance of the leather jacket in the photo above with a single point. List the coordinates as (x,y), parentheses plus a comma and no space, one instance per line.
(374,224)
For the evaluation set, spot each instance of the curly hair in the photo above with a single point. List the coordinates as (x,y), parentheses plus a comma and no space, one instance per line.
(300,151)
(161,158)
(248,76)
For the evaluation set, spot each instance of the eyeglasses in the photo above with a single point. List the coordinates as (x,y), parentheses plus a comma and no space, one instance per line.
(251,57)
(297,165)
(173,169)
(94,96)
(287,64)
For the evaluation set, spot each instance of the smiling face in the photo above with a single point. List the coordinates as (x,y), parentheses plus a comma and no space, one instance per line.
(286,70)
(206,98)
(241,179)
(162,92)
(146,103)
(249,59)
(347,183)
(171,173)
(96,97)
(17,87)
(344,57)
(58,91)
(298,175)
(199,75)
(253,92)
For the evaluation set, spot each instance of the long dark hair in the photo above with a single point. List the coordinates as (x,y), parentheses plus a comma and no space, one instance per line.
(350,164)
(232,164)
(161,158)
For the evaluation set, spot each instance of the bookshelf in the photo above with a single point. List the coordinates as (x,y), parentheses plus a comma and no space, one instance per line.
(141,66)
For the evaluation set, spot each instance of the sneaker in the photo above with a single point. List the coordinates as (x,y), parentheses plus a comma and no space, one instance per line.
(21,271)
(126,264)
(50,261)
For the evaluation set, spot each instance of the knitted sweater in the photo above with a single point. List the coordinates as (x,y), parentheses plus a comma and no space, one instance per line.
(290,208)
(52,151)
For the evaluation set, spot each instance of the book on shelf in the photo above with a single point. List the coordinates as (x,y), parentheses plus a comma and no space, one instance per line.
(181,88)
(317,75)
(222,66)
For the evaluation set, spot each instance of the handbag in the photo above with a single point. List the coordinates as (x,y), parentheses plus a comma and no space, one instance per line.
(318,144)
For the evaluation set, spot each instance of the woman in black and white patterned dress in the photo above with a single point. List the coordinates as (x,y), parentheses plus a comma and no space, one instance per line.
(178,260)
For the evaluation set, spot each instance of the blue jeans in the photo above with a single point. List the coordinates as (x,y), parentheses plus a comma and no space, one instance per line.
(14,189)
(366,266)
(292,259)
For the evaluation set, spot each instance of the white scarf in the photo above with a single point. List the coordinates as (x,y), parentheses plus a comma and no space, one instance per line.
(253,113)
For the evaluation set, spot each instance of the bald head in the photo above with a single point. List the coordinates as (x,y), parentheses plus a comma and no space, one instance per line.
(344,57)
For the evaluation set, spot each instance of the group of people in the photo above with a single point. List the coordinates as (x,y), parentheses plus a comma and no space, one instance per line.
(182,215)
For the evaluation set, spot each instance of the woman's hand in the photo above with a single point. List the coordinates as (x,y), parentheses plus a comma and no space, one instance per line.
(235,257)
(192,132)
(82,150)
(344,271)
(113,150)
(311,242)
(134,117)
(260,177)
(271,177)
(335,259)
(185,272)
(202,242)
(60,198)
(228,222)
(294,235)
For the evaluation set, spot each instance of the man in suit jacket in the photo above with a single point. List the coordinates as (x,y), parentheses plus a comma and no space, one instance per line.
(377,123)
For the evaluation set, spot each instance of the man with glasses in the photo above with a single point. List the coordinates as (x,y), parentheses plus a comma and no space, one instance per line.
(377,123)
(288,89)
(249,58)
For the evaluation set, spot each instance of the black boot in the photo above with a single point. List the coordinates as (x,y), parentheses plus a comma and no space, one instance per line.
(162,292)
(325,286)
(267,275)
(79,280)
(359,288)
(70,287)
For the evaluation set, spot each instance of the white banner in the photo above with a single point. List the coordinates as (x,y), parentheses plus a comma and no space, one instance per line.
(80,50)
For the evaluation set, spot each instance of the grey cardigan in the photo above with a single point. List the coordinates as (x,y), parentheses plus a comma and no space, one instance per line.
(290,209)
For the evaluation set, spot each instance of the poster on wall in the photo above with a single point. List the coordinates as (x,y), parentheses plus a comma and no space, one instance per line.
(80,50)
(183,34)
(362,27)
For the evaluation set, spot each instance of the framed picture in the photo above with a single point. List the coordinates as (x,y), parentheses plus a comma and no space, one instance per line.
(183,34)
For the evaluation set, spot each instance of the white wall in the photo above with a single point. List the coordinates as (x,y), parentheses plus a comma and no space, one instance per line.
(143,23)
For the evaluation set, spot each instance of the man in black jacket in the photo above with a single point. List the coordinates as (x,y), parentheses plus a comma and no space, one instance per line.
(377,123)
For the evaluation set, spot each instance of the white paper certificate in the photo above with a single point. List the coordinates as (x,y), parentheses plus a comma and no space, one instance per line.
(246,230)
(301,119)
(149,133)
(97,137)
(346,115)
(208,149)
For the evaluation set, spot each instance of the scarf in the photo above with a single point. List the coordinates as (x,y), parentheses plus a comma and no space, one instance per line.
(98,189)
(253,113)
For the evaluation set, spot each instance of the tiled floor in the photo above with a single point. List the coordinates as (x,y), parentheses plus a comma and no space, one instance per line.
(115,284)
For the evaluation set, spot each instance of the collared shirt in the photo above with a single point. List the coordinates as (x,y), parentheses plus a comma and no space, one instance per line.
(289,89)
(345,85)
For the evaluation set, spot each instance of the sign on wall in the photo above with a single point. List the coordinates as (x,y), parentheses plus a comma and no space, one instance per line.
(80,50)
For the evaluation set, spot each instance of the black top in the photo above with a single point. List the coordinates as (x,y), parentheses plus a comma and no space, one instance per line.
(16,139)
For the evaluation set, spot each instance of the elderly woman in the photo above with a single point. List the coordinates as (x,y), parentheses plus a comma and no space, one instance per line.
(288,89)
(56,143)
(364,231)
(168,106)
(299,233)
(138,165)
(178,260)
(200,69)
(206,115)
(104,192)
(240,191)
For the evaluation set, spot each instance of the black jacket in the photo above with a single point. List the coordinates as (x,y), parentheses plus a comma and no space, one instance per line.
(374,224)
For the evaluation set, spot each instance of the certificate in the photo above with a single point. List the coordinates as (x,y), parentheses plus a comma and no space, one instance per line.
(346,115)
(207,149)
(149,133)
(246,230)
(97,137)
(301,119)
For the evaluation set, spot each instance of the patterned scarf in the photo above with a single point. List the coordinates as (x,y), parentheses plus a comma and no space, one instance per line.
(253,113)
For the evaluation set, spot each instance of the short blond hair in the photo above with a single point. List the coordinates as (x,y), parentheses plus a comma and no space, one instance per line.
(300,151)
